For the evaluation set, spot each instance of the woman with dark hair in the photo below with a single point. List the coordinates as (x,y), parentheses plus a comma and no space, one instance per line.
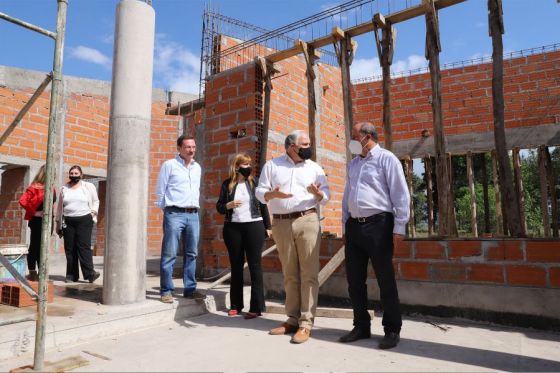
(32,201)
(244,233)
(77,212)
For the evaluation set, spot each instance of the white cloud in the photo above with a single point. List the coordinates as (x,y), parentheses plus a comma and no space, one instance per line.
(338,18)
(480,55)
(90,55)
(412,62)
(365,67)
(175,67)
(369,67)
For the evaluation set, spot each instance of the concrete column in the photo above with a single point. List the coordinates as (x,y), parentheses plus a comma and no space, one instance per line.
(129,147)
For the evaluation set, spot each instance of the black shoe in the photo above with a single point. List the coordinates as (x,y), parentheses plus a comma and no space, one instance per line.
(94,277)
(390,340)
(194,295)
(33,276)
(355,334)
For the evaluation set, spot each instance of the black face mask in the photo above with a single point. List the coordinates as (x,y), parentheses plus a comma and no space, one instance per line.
(245,171)
(74,179)
(305,153)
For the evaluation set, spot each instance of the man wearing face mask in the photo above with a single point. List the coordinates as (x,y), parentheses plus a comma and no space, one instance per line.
(375,210)
(292,186)
(178,193)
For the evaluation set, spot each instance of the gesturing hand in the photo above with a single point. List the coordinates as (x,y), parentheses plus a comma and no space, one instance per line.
(276,193)
(233,204)
(315,189)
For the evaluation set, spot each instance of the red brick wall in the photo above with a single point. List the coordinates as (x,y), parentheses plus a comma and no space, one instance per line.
(513,262)
(86,135)
(11,214)
(531,94)
(467,108)
(234,101)
(231,104)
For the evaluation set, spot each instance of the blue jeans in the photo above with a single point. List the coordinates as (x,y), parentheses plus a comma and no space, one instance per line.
(175,225)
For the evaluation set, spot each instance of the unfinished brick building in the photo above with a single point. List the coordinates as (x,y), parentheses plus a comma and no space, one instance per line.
(487,274)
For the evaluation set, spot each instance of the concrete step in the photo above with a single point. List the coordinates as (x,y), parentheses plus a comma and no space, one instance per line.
(72,321)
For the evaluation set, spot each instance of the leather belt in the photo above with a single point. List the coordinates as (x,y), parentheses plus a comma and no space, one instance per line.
(372,218)
(294,215)
(188,210)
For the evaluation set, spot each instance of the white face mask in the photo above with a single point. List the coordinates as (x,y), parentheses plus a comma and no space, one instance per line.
(355,147)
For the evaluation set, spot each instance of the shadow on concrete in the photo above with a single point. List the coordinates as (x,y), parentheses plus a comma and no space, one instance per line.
(495,360)
(83,291)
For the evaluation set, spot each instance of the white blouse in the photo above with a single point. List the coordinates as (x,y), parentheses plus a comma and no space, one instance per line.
(75,202)
(242,214)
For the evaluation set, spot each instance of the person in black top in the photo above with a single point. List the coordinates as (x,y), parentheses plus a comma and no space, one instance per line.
(247,223)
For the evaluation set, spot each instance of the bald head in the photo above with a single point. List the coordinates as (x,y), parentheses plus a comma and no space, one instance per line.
(362,129)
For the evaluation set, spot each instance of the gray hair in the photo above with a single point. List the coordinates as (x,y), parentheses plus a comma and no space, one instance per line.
(292,138)
(368,129)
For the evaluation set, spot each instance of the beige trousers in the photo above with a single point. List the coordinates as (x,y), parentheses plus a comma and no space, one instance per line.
(298,242)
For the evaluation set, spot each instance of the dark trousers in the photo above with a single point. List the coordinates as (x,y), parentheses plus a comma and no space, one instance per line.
(33,255)
(77,246)
(372,241)
(245,240)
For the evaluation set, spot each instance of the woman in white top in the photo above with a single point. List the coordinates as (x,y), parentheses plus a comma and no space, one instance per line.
(247,223)
(77,212)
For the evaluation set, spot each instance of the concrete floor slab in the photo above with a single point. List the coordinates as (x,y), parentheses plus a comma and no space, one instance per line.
(215,342)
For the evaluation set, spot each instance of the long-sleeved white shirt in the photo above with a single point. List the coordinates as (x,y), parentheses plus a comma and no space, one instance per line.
(291,178)
(376,184)
(178,184)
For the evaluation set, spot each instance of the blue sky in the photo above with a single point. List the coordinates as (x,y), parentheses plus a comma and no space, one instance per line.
(90,26)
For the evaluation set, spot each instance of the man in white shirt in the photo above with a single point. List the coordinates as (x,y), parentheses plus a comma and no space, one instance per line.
(178,193)
(292,186)
(375,210)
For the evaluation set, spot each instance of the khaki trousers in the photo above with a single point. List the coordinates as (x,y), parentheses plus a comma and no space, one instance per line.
(298,242)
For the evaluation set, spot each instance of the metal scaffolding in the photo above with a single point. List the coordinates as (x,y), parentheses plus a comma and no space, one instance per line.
(56,77)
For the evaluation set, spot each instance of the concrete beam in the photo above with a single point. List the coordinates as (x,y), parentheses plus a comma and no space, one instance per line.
(522,137)
(16,78)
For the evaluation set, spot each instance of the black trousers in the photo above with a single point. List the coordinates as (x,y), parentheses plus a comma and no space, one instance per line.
(77,246)
(372,241)
(245,240)
(33,255)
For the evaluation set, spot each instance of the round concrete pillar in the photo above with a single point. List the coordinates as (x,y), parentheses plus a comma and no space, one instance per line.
(124,278)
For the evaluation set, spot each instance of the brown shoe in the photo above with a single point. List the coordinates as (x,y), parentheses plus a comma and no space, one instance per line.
(301,336)
(285,328)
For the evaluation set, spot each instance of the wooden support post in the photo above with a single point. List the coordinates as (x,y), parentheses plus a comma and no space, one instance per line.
(408,170)
(447,226)
(451,189)
(496,27)
(345,48)
(544,190)
(331,266)
(314,115)
(267,70)
(498,196)
(485,193)
(429,193)
(470,175)
(385,50)
(519,189)
(553,198)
